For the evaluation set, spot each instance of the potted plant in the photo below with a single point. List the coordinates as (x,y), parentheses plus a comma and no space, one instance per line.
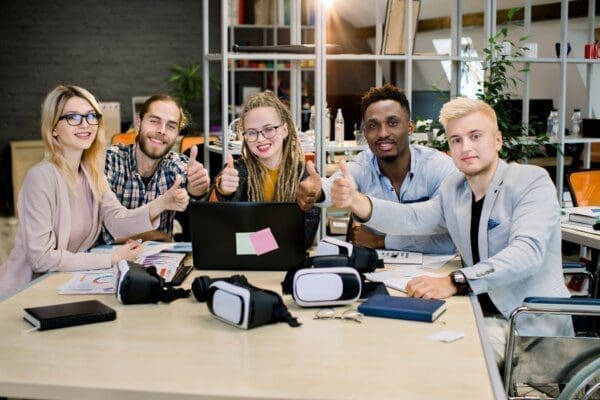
(186,82)
(521,141)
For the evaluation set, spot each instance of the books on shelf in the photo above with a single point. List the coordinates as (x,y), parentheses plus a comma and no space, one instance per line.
(585,215)
(411,308)
(394,29)
(68,314)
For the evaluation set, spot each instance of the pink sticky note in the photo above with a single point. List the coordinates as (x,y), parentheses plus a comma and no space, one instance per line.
(263,241)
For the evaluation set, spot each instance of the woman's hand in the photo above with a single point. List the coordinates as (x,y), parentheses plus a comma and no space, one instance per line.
(128,251)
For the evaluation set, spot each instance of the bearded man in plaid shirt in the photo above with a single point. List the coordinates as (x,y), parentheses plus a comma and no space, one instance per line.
(141,172)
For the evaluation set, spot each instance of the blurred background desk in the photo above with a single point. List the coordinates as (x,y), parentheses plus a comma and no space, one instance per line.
(179,351)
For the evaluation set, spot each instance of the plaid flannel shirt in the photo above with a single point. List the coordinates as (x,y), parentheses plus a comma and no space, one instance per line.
(127,184)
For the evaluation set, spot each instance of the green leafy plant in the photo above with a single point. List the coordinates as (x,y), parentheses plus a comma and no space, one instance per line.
(521,141)
(186,82)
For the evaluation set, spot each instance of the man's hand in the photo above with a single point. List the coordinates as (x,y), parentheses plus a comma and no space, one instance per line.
(365,237)
(197,176)
(175,198)
(129,251)
(343,188)
(428,287)
(310,189)
(345,195)
(229,179)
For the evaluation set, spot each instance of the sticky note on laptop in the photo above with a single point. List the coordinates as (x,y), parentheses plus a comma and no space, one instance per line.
(263,241)
(243,244)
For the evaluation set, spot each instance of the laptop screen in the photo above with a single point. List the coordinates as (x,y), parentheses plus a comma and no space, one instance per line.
(247,235)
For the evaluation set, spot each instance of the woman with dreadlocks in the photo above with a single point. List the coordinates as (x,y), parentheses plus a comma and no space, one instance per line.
(272,163)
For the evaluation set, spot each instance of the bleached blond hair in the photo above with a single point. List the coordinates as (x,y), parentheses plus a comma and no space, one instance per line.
(463,106)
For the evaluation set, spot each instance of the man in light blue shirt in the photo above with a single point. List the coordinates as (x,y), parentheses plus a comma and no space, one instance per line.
(391,169)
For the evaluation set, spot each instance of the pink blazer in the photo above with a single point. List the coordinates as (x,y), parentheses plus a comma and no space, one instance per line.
(45,228)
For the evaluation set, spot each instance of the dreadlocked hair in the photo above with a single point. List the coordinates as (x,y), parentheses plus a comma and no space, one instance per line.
(291,167)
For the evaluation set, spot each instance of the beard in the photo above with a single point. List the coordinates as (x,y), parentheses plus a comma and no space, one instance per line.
(150,152)
(389,159)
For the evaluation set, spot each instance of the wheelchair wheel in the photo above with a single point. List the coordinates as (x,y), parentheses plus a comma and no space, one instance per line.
(585,384)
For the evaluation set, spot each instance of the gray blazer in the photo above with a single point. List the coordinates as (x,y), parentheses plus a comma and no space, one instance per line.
(519,238)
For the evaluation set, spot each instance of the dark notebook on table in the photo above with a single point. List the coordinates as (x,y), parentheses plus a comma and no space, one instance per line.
(381,305)
(247,235)
(69,314)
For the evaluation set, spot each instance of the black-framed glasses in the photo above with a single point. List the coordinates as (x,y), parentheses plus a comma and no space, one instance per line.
(92,118)
(268,132)
(329,313)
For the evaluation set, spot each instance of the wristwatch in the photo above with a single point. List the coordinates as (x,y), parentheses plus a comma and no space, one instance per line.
(459,280)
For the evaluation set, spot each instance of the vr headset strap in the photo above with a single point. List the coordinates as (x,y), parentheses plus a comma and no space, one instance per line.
(166,294)
(281,312)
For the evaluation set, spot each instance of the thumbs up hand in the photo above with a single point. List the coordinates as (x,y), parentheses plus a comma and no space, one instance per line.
(310,189)
(197,176)
(229,179)
(343,188)
(176,198)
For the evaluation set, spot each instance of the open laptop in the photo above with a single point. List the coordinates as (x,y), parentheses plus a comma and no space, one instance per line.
(247,235)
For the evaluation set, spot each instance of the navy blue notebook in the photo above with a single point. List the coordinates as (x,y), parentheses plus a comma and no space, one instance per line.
(381,305)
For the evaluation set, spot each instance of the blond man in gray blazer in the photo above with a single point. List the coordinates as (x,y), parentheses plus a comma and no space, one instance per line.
(503,218)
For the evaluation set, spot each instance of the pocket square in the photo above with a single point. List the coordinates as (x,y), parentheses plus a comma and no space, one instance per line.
(492,224)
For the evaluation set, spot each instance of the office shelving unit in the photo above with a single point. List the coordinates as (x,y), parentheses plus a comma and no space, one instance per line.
(404,63)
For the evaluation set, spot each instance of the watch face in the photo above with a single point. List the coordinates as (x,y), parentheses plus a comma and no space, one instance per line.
(458,277)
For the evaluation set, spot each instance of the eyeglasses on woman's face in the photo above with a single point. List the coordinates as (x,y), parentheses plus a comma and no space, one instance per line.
(268,132)
(329,313)
(92,118)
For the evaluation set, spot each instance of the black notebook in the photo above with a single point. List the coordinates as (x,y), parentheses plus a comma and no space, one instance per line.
(69,314)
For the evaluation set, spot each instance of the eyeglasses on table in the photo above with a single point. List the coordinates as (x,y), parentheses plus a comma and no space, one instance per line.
(330,313)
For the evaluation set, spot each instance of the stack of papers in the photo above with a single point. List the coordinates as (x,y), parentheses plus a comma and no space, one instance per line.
(149,247)
(400,257)
(399,277)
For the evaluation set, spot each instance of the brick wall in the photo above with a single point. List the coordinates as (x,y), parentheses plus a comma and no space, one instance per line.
(115,48)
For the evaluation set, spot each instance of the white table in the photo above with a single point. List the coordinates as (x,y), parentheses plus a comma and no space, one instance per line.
(179,351)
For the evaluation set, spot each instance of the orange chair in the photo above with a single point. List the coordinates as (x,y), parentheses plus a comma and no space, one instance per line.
(584,186)
(189,141)
(125,137)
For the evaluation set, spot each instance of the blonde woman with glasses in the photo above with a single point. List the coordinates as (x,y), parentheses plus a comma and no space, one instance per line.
(272,163)
(65,198)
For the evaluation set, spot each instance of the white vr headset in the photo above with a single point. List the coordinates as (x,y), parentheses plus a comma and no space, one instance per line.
(234,301)
(316,287)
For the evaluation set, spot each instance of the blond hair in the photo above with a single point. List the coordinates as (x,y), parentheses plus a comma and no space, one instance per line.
(463,106)
(291,167)
(93,158)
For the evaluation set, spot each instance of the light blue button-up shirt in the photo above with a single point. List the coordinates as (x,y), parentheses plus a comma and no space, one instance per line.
(428,168)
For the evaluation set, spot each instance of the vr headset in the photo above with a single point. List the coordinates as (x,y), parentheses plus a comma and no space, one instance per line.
(137,284)
(363,259)
(330,280)
(236,302)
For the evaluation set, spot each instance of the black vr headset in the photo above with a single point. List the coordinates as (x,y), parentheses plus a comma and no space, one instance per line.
(331,280)
(137,284)
(236,302)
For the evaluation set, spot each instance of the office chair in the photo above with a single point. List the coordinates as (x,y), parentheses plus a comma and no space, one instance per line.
(584,186)
(124,138)
(189,141)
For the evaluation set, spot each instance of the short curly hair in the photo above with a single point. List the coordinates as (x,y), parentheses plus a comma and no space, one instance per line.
(385,92)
